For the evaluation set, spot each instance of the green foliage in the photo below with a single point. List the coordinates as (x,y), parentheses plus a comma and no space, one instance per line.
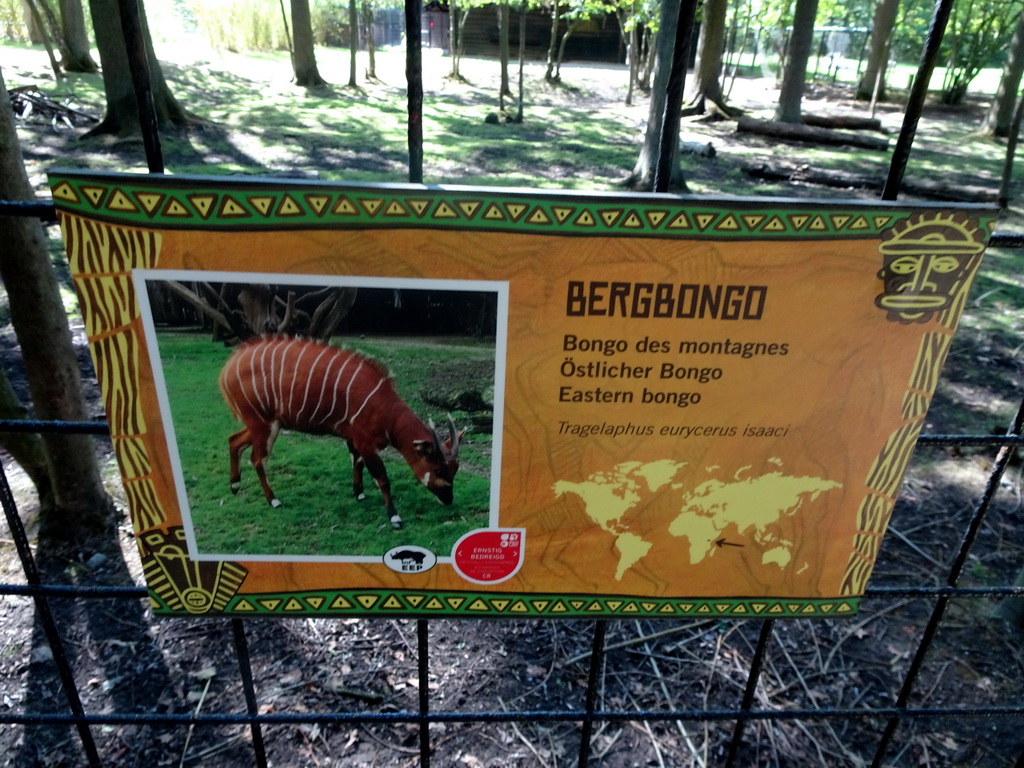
(331,23)
(638,13)
(978,31)
(312,475)
(12,21)
(240,25)
(846,13)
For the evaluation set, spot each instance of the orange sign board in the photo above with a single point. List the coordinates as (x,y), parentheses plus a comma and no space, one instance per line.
(625,405)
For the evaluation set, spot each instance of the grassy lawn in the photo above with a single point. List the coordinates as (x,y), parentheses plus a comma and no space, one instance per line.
(312,476)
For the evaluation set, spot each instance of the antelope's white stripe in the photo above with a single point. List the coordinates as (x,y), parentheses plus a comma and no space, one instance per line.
(323,388)
(272,374)
(348,392)
(309,380)
(268,401)
(293,417)
(372,393)
(337,382)
(251,354)
(285,349)
(238,378)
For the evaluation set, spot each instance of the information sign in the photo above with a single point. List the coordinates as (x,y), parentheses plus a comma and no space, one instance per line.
(534,404)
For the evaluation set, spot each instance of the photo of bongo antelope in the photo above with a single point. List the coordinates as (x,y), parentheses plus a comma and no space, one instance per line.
(283,396)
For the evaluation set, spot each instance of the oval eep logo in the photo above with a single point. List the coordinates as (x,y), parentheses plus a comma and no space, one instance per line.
(410,559)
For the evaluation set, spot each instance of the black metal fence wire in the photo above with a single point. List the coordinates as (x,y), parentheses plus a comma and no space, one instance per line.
(741,715)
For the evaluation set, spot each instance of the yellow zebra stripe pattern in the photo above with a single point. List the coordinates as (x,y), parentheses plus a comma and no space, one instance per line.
(102,256)
(886,473)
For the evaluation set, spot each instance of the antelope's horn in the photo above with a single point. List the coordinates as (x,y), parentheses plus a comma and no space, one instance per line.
(435,436)
(455,436)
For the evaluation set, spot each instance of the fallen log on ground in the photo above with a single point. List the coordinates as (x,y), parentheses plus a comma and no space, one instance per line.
(808,133)
(844,122)
(807,175)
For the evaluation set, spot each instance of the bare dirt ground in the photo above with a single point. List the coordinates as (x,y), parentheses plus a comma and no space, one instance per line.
(125,660)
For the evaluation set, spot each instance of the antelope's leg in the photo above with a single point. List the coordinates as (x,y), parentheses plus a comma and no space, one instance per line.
(261,440)
(357,472)
(379,473)
(237,443)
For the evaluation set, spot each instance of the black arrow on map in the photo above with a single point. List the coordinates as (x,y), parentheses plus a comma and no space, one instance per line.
(723,543)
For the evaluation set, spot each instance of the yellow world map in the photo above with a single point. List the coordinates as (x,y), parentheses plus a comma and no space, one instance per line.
(752,504)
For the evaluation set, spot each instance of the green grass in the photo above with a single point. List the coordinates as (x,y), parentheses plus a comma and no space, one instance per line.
(312,476)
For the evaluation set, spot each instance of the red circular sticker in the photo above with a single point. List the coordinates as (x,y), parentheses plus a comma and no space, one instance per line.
(490,555)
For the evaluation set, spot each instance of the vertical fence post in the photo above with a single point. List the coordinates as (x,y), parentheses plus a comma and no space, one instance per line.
(423,664)
(138,65)
(915,104)
(249,689)
(414,78)
(981,508)
(756,663)
(46,620)
(593,679)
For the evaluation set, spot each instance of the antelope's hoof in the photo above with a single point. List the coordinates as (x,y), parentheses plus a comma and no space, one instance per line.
(360,496)
(235,486)
(396,523)
(275,503)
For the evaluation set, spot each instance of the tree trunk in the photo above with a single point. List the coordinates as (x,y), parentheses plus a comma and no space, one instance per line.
(650,56)
(633,52)
(74,47)
(503,51)
(522,60)
(707,80)
(845,122)
(304,60)
(46,30)
(82,508)
(561,48)
(795,73)
(24,447)
(1011,149)
(371,48)
(642,177)
(353,42)
(810,133)
(878,50)
(122,115)
(1000,115)
(35,32)
(454,39)
(556,17)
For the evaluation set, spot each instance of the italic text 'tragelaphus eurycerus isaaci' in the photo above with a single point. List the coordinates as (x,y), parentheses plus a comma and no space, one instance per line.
(277,383)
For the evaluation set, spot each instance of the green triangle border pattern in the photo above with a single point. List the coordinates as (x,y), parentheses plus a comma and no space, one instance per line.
(250,205)
(368,603)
